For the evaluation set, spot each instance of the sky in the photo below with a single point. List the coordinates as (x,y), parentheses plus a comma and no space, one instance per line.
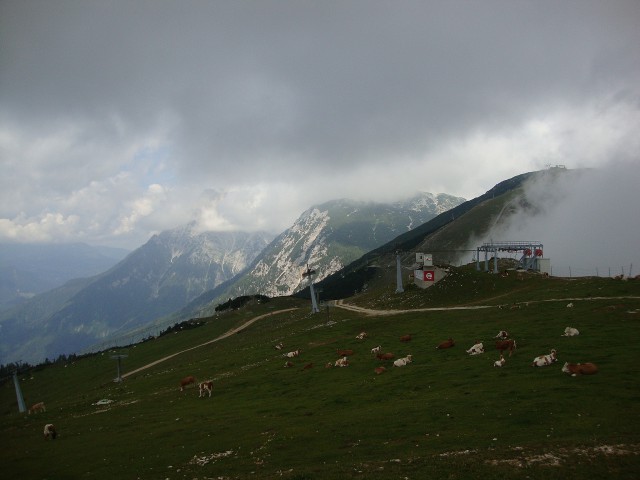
(120,119)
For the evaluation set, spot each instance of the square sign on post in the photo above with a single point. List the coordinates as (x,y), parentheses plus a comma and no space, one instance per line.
(428,276)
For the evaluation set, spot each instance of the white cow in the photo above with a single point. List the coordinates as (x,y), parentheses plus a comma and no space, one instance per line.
(375,350)
(401,362)
(342,362)
(544,360)
(361,336)
(499,363)
(477,349)
(50,431)
(293,354)
(571,332)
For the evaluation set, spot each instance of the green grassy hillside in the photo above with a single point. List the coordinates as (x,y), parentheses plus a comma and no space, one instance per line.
(446,415)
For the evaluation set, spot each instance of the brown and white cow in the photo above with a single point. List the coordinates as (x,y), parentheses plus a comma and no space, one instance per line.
(342,362)
(476,349)
(295,353)
(204,388)
(500,362)
(375,350)
(361,336)
(401,362)
(544,360)
(187,381)
(405,338)
(37,407)
(503,345)
(379,370)
(50,432)
(502,335)
(446,344)
(575,369)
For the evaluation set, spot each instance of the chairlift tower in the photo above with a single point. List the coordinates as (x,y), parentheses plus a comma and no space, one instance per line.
(399,288)
(308,273)
(21,406)
(119,357)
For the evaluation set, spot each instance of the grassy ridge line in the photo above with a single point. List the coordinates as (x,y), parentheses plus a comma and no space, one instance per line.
(221,337)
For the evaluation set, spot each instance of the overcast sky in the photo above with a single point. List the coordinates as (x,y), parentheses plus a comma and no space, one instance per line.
(120,119)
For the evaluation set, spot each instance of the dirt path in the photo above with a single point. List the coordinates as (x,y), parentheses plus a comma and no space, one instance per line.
(221,337)
(368,311)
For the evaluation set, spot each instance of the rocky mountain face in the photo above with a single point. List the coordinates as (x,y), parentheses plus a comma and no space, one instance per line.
(160,277)
(329,236)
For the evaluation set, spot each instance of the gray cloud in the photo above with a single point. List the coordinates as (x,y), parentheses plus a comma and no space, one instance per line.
(139,108)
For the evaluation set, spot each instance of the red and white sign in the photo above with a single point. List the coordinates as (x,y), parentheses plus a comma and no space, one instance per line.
(425,275)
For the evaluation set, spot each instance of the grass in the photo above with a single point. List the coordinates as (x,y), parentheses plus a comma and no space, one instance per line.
(446,415)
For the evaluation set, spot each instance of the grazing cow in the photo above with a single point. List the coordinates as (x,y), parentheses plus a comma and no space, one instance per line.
(375,350)
(571,332)
(544,360)
(385,356)
(279,346)
(361,336)
(379,370)
(575,369)
(405,338)
(37,407)
(205,387)
(502,335)
(288,365)
(499,363)
(503,345)
(401,362)
(446,344)
(308,366)
(50,431)
(187,381)
(293,354)
(476,349)
(344,353)
(342,362)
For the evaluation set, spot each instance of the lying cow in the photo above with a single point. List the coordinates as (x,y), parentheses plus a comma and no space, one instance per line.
(544,360)
(575,369)
(187,381)
(342,362)
(293,354)
(344,353)
(476,349)
(205,387)
(446,344)
(379,370)
(385,356)
(50,432)
(405,338)
(279,346)
(503,345)
(361,336)
(571,332)
(37,407)
(401,362)
(499,363)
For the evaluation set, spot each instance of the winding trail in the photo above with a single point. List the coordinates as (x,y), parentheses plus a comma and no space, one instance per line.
(221,337)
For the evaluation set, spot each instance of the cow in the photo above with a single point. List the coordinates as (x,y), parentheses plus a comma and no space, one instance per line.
(361,336)
(405,338)
(575,369)
(204,388)
(446,344)
(344,353)
(503,345)
(544,360)
(379,370)
(37,407)
(187,381)
(288,365)
(279,346)
(308,366)
(401,362)
(342,362)
(50,431)
(570,332)
(375,350)
(570,305)
(502,335)
(499,363)
(293,354)
(476,349)
(385,356)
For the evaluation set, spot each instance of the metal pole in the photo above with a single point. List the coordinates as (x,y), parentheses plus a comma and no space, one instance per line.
(399,288)
(314,305)
(21,406)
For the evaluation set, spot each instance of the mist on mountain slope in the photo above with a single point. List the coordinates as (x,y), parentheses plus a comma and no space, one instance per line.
(587,221)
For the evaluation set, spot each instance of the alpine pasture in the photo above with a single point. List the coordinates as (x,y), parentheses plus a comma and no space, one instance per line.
(446,414)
